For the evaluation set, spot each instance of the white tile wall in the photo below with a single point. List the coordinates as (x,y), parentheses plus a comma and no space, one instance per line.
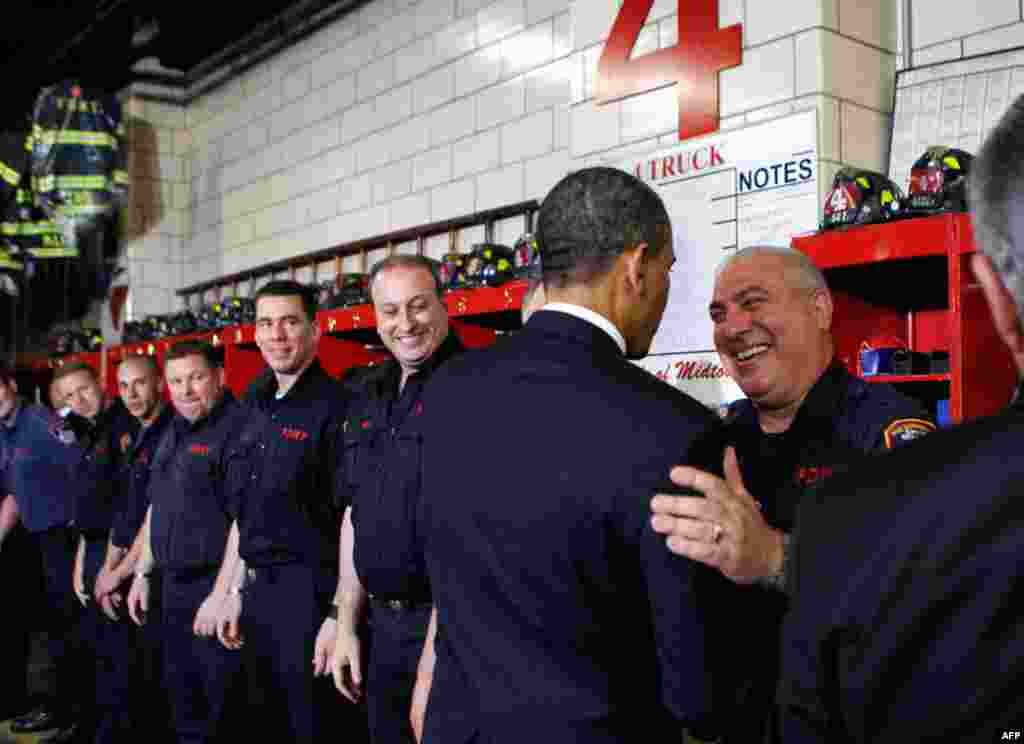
(432,168)
(991,41)
(499,187)
(500,19)
(478,70)
(942,20)
(528,49)
(938,53)
(434,89)
(415,111)
(527,137)
(452,199)
(766,20)
(767,75)
(501,103)
(477,154)
(452,121)
(409,212)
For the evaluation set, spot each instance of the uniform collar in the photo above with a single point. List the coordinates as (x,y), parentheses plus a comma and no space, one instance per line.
(265,387)
(584,313)
(184,426)
(392,372)
(154,429)
(820,406)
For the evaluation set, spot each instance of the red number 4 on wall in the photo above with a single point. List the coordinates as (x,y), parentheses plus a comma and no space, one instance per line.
(694,63)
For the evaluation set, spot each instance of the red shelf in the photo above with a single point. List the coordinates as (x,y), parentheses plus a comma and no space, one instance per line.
(891,379)
(893,241)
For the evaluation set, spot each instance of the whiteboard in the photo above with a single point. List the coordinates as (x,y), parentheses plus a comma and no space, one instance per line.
(757,185)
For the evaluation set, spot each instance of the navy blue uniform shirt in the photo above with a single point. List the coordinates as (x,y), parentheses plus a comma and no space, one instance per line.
(190,487)
(37,452)
(133,498)
(906,622)
(842,419)
(95,482)
(290,510)
(382,452)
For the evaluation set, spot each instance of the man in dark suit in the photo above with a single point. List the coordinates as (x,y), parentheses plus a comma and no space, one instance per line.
(906,621)
(560,617)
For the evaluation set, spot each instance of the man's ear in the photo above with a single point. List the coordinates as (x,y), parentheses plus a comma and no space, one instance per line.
(1005,313)
(823,308)
(634,266)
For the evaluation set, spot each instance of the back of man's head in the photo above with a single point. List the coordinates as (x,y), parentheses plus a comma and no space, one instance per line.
(590,217)
(996,190)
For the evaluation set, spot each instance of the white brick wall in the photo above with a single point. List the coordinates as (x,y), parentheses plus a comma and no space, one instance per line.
(414,111)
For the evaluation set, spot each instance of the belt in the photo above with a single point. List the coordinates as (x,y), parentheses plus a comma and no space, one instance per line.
(399,604)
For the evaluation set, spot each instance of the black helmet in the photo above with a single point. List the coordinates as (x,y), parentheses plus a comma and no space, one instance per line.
(132,332)
(453,271)
(526,255)
(860,197)
(208,317)
(326,292)
(235,311)
(489,265)
(90,339)
(183,323)
(353,289)
(62,343)
(938,180)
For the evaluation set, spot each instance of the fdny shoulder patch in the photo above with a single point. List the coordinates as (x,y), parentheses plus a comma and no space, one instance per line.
(126,442)
(906,430)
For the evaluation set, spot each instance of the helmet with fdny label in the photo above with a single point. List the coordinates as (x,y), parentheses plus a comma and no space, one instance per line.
(236,311)
(860,197)
(453,271)
(938,180)
(489,265)
(526,255)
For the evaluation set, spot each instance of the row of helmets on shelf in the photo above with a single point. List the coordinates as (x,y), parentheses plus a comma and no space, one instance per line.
(938,183)
(486,265)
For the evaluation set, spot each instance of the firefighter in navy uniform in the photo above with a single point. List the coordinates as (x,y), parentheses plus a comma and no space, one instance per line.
(37,452)
(383,577)
(805,419)
(192,505)
(19,554)
(139,385)
(104,430)
(905,622)
(288,525)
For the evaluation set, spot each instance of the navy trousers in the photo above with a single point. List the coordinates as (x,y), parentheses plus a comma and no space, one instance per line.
(199,672)
(19,575)
(283,609)
(112,648)
(395,643)
(63,621)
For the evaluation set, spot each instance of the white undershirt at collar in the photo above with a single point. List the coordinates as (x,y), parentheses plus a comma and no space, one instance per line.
(584,313)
